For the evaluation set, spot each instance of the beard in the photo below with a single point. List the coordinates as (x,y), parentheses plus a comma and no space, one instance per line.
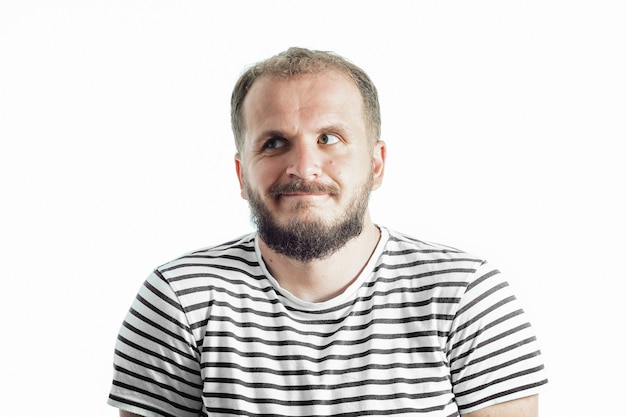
(302,239)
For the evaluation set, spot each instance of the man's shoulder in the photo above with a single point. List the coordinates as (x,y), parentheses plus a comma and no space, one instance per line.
(433,263)
(401,243)
(237,253)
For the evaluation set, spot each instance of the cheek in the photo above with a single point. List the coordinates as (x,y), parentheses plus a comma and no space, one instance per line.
(335,170)
(261,176)
(348,169)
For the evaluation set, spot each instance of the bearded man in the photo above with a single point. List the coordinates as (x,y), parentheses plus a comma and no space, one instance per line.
(321,311)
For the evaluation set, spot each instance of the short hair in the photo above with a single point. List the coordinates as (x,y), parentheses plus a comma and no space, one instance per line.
(299,61)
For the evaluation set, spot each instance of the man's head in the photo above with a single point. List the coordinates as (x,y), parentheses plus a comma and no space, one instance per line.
(299,61)
(307,158)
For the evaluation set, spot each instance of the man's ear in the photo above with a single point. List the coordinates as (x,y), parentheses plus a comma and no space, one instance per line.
(378,159)
(239,170)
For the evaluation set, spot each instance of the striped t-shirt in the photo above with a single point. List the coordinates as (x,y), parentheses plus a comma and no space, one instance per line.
(424,330)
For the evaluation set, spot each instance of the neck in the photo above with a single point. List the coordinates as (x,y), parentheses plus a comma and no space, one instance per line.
(323,279)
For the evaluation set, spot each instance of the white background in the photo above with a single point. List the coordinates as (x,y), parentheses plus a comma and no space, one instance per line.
(505,126)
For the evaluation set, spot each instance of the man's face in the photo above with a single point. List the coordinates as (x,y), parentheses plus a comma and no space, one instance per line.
(307,165)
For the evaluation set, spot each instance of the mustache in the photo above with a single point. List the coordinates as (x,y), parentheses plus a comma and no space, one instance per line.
(303,187)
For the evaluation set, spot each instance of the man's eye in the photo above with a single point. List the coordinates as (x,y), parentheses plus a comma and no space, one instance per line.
(274,143)
(328,139)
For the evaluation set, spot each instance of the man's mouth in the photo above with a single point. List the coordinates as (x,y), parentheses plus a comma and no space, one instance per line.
(301,188)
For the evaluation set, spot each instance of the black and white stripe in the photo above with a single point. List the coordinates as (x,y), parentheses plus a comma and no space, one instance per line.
(425,329)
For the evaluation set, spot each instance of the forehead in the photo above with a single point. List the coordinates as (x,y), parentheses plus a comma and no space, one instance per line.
(275,102)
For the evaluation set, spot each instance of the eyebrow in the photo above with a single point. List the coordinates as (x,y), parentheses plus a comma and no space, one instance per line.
(272,133)
(336,127)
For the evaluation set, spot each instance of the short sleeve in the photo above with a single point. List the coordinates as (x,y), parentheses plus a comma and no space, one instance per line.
(156,361)
(492,351)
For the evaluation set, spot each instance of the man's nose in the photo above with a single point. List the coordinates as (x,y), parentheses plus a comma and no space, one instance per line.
(305,162)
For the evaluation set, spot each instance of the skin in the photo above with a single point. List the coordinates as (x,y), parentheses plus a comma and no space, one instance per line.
(523,407)
(311,128)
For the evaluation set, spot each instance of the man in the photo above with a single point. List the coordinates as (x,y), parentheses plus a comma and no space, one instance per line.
(321,312)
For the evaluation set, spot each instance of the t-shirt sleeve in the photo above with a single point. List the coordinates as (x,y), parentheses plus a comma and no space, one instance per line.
(492,351)
(156,361)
